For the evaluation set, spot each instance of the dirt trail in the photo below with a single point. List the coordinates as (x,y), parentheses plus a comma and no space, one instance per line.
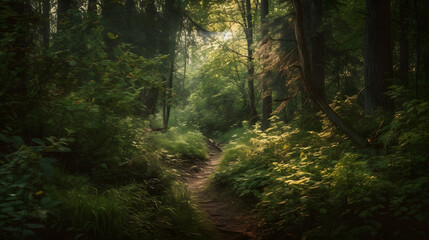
(226,212)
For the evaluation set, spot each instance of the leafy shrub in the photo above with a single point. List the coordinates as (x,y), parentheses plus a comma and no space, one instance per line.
(129,198)
(24,205)
(188,144)
(318,186)
(219,101)
(111,183)
(244,165)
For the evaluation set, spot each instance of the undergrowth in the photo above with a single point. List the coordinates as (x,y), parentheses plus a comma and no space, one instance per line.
(187,144)
(132,195)
(76,161)
(129,212)
(318,185)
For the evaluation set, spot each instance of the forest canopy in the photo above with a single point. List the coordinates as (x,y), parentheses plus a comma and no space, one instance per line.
(109,107)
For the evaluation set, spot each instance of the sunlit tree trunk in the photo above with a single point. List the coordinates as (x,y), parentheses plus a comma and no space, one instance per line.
(377,55)
(266,88)
(310,84)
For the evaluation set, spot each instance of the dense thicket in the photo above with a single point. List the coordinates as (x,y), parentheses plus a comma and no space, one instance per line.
(79,81)
(103,101)
(304,177)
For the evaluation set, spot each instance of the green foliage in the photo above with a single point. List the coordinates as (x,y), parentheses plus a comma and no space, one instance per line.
(91,214)
(231,135)
(244,166)
(77,161)
(100,177)
(320,187)
(343,29)
(128,212)
(24,206)
(133,199)
(186,143)
(220,100)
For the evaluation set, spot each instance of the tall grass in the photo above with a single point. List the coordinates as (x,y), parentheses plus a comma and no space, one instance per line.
(129,212)
(134,198)
(186,143)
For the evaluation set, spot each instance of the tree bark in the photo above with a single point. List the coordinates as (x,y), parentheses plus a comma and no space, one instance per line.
(171,19)
(150,95)
(251,66)
(317,42)
(266,88)
(404,42)
(377,55)
(46,22)
(169,94)
(310,85)
(417,38)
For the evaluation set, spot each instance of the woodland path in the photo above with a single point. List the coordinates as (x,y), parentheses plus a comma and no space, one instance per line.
(226,212)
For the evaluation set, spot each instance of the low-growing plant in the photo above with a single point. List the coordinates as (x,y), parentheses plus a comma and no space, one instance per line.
(316,185)
(186,143)
(24,205)
(128,212)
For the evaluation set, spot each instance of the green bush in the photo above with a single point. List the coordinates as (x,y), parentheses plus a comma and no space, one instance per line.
(320,186)
(24,205)
(186,143)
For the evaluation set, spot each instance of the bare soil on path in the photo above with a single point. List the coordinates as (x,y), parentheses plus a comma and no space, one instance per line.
(228,214)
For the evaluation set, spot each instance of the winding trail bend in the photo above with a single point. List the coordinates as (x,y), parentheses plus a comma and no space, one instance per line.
(227,213)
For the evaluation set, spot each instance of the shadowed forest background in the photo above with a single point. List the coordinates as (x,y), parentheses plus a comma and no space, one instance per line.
(321,108)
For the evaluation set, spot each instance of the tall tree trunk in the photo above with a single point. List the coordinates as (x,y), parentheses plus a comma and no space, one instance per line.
(266,88)
(404,42)
(377,55)
(150,95)
(251,66)
(18,22)
(311,86)
(317,42)
(169,94)
(151,31)
(417,37)
(185,60)
(46,22)
(171,19)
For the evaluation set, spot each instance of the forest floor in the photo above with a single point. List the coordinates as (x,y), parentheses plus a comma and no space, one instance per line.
(229,215)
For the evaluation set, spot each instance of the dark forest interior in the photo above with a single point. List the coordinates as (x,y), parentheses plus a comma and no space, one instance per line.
(214,119)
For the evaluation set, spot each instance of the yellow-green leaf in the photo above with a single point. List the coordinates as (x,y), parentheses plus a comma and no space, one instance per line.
(39,192)
(111,35)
